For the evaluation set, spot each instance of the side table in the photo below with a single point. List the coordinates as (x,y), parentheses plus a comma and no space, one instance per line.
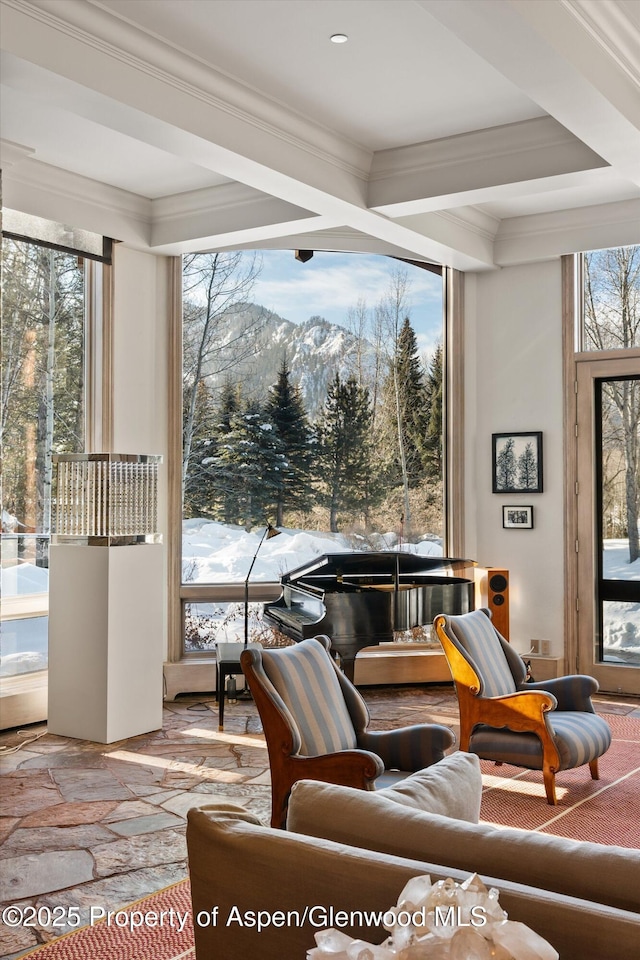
(228,665)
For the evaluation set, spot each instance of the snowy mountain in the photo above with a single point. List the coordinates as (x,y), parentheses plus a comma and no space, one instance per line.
(314,350)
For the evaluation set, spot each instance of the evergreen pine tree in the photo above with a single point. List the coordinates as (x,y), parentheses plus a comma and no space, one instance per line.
(405,395)
(344,450)
(527,469)
(506,466)
(433,440)
(249,465)
(285,408)
(209,491)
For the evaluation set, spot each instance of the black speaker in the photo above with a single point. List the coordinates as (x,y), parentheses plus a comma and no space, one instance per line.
(498,599)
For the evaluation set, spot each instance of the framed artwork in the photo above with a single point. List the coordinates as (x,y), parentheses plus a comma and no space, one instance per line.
(517,462)
(517,517)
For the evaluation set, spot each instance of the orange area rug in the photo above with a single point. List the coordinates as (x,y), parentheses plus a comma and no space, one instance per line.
(150,929)
(602,811)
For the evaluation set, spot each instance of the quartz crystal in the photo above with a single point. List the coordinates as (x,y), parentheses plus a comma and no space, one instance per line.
(445,920)
(468,944)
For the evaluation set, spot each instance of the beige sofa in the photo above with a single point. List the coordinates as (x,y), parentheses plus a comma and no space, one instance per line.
(353,850)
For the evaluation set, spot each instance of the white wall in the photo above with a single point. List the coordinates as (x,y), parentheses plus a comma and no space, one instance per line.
(513,382)
(140,340)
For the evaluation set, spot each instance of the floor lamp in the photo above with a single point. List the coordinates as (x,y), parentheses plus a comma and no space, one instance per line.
(268,534)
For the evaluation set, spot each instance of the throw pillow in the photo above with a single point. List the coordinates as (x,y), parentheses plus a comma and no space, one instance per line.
(451,788)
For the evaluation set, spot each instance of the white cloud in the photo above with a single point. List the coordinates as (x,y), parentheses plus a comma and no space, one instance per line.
(330,285)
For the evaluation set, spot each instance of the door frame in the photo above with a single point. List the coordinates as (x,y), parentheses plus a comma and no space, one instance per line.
(590,367)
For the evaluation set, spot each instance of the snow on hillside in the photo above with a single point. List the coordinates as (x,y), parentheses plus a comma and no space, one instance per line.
(315,350)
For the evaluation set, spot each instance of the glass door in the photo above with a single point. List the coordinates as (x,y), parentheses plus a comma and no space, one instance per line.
(608,513)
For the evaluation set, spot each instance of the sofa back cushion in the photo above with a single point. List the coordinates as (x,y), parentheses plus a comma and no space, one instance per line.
(590,871)
(306,679)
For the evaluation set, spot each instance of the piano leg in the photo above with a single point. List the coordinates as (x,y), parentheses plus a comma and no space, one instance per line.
(348,667)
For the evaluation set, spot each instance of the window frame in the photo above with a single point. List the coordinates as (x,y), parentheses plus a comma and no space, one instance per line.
(24,696)
(179,593)
(578,362)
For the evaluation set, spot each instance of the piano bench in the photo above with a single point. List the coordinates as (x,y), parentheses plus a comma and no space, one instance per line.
(389,663)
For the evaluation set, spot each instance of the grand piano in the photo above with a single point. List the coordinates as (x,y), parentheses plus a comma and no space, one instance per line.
(360,599)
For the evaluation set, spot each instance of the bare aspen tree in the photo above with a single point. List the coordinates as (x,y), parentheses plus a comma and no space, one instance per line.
(612,322)
(215,286)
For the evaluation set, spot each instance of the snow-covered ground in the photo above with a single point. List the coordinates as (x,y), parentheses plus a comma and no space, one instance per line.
(621,619)
(218,553)
(615,561)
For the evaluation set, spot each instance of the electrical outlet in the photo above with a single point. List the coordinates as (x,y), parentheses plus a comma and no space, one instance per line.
(535,646)
(546,648)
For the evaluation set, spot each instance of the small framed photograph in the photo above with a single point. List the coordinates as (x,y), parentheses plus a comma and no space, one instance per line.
(517,462)
(517,518)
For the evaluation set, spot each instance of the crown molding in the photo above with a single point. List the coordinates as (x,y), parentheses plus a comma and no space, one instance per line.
(47,191)
(121,41)
(476,146)
(608,23)
(545,235)
(440,173)
(12,153)
(474,219)
(454,231)
(233,209)
(211,200)
(623,211)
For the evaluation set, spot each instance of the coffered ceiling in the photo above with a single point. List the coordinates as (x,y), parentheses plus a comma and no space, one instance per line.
(476,133)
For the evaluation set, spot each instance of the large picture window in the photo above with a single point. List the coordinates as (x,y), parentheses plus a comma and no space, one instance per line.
(610,316)
(607,391)
(45,319)
(312,401)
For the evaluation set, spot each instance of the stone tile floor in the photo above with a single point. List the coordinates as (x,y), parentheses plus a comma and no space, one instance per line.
(85,824)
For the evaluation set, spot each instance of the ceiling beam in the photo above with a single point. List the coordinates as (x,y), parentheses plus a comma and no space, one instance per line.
(567,65)
(134,83)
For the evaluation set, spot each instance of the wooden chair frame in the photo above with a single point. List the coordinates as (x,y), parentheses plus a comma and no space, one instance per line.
(400,751)
(522,712)
(349,768)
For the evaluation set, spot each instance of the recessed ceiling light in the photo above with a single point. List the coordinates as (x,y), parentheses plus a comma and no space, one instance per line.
(339,38)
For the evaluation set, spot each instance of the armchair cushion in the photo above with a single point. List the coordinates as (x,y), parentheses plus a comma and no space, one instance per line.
(307,681)
(503,746)
(478,637)
(579,738)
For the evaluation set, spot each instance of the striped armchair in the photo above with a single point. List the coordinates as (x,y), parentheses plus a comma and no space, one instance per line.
(548,726)
(315,724)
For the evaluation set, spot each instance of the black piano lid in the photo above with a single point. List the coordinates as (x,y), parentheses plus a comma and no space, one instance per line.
(383,566)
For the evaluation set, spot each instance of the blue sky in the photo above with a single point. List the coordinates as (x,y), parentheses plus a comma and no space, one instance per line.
(330,284)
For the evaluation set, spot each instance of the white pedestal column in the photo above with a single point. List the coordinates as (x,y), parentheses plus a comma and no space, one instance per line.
(105,641)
